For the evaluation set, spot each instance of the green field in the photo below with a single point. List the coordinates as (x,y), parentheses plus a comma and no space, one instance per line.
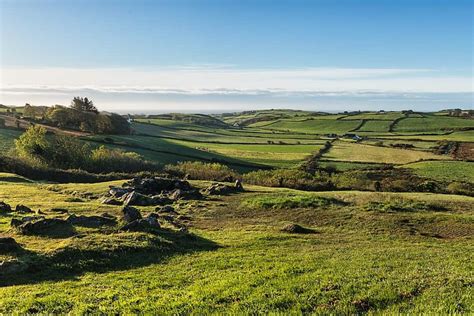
(315,126)
(433,124)
(7,138)
(375,126)
(362,257)
(387,116)
(444,170)
(347,151)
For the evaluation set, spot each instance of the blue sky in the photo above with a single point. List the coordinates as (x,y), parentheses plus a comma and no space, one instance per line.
(228,55)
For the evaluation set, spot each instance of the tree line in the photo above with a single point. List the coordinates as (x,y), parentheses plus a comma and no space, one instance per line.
(81,115)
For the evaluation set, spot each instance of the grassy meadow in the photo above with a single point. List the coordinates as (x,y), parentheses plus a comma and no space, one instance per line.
(369,252)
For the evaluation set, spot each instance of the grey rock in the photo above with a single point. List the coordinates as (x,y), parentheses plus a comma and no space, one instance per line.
(135,198)
(59,210)
(152,219)
(220,189)
(8,244)
(118,192)
(138,225)
(46,226)
(23,209)
(166,209)
(180,194)
(131,214)
(90,221)
(5,208)
(111,201)
(297,229)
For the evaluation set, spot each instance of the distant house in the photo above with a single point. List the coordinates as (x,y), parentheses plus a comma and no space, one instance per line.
(353,137)
(331,135)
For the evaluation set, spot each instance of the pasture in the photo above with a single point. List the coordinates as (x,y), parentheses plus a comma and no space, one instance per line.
(346,151)
(238,261)
(444,170)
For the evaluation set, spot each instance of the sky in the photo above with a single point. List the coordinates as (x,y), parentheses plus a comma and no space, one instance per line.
(138,56)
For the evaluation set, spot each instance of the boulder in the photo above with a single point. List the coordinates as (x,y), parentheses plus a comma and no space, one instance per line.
(15,222)
(25,219)
(219,189)
(23,209)
(180,194)
(152,219)
(131,214)
(111,201)
(45,226)
(135,198)
(166,209)
(297,229)
(117,192)
(156,185)
(5,208)
(59,210)
(8,244)
(160,200)
(183,230)
(137,225)
(105,214)
(238,185)
(90,221)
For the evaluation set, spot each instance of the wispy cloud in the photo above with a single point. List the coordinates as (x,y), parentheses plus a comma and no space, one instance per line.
(196,79)
(221,86)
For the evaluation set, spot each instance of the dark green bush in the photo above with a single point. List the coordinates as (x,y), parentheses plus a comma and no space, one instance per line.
(202,171)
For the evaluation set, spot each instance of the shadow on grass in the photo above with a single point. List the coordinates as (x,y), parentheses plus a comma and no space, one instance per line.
(104,253)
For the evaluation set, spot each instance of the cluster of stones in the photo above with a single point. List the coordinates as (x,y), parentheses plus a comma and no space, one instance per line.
(36,223)
(151,191)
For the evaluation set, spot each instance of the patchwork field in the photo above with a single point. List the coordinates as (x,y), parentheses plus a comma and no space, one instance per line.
(384,225)
(285,138)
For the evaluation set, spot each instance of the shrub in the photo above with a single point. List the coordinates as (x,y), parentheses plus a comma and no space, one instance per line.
(105,160)
(288,178)
(202,171)
(66,152)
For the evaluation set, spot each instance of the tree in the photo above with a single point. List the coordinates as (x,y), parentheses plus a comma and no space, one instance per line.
(29,111)
(33,144)
(83,104)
